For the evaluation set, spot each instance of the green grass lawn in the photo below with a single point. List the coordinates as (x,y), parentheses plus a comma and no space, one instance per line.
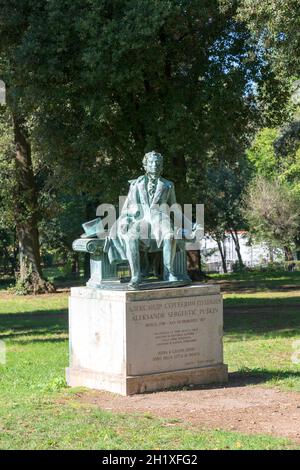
(260,280)
(259,345)
(37,411)
(263,299)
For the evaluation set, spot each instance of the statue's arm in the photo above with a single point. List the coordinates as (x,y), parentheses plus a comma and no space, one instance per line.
(128,212)
(130,198)
(180,220)
(172,195)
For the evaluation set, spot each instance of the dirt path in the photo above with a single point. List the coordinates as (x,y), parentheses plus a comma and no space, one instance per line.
(249,410)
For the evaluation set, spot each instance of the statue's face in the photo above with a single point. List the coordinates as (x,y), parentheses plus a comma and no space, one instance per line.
(154,166)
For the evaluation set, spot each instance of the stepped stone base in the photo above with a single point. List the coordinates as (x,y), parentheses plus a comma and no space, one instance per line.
(131,342)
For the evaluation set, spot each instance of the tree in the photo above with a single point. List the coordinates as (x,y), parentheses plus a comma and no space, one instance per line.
(7,181)
(92,85)
(119,85)
(25,192)
(8,241)
(276,26)
(272,211)
(18,202)
(261,154)
(275,153)
(223,209)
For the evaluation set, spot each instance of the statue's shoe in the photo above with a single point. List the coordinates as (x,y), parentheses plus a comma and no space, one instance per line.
(172,278)
(134,282)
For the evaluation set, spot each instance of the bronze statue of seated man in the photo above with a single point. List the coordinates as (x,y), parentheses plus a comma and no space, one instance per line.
(145,222)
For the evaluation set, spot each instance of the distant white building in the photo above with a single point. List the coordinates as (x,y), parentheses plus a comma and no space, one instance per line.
(252,255)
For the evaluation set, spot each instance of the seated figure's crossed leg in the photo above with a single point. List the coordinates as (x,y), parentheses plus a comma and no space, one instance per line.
(136,236)
(169,251)
(138,232)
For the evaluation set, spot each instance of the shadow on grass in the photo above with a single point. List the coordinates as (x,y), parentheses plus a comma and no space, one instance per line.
(251,287)
(248,377)
(260,276)
(257,376)
(280,322)
(241,304)
(6,282)
(259,281)
(243,378)
(36,323)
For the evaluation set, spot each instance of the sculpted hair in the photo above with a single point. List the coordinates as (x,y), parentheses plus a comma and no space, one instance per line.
(152,154)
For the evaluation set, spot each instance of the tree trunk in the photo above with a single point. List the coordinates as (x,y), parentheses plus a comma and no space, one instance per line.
(222,250)
(14,261)
(26,212)
(75,263)
(288,253)
(271,252)
(194,265)
(179,177)
(297,243)
(86,266)
(235,238)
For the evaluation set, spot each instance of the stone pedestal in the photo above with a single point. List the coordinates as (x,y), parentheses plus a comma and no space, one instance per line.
(131,342)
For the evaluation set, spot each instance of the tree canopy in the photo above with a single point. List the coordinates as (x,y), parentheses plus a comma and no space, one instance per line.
(93,84)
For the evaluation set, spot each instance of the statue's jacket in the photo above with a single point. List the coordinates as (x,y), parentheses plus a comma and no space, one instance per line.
(138,207)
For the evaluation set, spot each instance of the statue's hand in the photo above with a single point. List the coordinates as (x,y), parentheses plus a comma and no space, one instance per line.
(124,227)
(197,232)
(125,224)
(134,211)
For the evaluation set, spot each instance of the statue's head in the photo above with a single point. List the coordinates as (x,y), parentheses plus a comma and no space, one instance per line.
(153,163)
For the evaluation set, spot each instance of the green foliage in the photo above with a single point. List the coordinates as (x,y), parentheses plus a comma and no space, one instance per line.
(23,286)
(99,83)
(7,193)
(7,172)
(293,265)
(274,155)
(277,27)
(225,188)
(272,211)
(261,154)
(274,28)
(106,81)
(57,383)
(291,172)
(238,268)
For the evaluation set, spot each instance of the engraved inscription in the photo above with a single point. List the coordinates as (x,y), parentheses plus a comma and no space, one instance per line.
(175,334)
